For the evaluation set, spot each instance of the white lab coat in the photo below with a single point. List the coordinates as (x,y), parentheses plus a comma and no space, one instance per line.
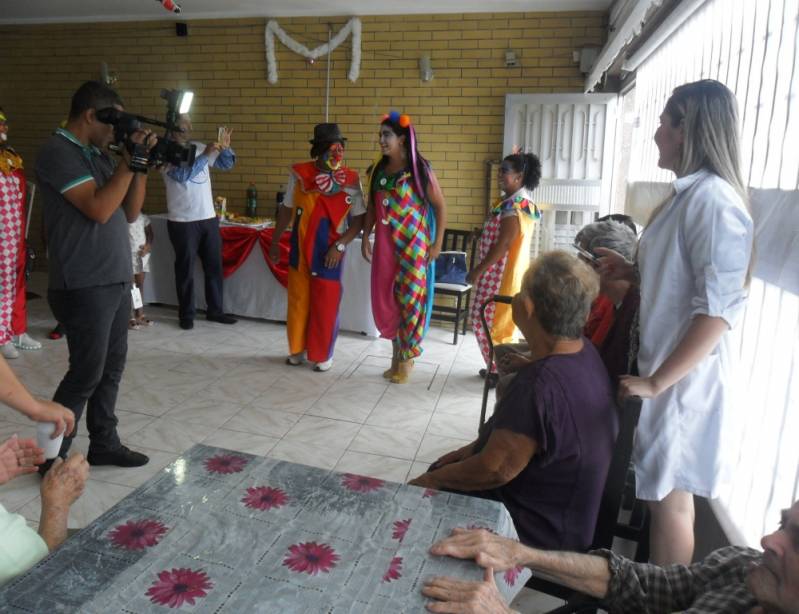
(692,260)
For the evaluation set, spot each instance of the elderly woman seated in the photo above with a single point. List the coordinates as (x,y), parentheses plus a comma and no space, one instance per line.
(546,450)
(612,322)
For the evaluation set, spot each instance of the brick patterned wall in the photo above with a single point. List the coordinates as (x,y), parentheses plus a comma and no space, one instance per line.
(459,114)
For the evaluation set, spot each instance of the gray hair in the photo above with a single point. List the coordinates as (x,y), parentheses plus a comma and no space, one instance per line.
(612,235)
(562,289)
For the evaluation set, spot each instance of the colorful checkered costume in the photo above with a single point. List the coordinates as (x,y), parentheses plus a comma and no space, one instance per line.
(505,275)
(404,231)
(12,246)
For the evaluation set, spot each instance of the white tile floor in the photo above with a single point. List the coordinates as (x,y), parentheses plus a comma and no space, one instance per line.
(228,386)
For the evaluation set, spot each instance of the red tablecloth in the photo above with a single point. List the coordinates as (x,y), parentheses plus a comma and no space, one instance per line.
(237,243)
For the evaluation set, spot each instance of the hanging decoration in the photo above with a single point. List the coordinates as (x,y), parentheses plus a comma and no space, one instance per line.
(353,27)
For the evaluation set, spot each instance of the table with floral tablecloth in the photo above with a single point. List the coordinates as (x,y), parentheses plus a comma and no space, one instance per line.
(221,531)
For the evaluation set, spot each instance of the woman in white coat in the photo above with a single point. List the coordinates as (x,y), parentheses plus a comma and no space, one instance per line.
(693,265)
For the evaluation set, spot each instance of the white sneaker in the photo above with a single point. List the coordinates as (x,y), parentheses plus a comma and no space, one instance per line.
(323,366)
(25,342)
(9,351)
(295,359)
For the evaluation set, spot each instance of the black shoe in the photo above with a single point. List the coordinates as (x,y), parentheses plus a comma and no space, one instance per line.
(222,318)
(482,373)
(121,457)
(186,323)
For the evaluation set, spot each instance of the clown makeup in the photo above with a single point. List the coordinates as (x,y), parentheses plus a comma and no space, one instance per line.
(333,158)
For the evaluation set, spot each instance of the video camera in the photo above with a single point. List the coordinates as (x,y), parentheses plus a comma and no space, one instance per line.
(166,150)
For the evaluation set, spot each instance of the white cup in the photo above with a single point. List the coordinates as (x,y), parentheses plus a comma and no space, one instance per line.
(50,446)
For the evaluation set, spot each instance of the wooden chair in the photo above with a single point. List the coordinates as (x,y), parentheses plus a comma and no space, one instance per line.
(456,241)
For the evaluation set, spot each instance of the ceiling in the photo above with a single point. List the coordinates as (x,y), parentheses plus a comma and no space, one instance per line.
(61,11)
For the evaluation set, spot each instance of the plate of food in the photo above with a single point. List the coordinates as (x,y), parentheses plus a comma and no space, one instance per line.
(234,219)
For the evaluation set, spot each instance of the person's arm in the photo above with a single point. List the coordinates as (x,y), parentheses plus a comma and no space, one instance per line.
(14,394)
(436,198)
(284,216)
(333,256)
(698,341)
(182,174)
(99,204)
(61,487)
(368,225)
(587,573)
(225,160)
(148,239)
(509,229)
(504,456)
(134,198)
(20,546)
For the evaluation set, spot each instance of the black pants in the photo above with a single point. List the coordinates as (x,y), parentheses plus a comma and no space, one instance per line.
(190,239)
(96,322)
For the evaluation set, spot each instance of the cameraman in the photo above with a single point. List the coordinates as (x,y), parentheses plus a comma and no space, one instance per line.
(193,226)
(87,206)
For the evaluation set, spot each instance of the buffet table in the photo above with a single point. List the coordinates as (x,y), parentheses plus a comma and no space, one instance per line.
(252,289)
(221,531)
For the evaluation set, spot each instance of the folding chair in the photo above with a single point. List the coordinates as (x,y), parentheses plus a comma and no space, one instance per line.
(456,241)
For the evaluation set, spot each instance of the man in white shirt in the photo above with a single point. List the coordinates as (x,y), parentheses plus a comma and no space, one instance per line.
(193,226)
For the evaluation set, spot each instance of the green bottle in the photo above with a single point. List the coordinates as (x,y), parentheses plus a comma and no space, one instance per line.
(252,201)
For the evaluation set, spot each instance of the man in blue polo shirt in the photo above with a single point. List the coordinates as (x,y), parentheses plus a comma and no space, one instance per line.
(88,202)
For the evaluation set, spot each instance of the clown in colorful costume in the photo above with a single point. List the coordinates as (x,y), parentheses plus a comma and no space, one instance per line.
(13,317)
(504,250)
(406,205)
(322,198)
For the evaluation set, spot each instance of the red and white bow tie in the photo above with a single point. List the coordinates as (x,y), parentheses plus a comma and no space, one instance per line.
(325,180)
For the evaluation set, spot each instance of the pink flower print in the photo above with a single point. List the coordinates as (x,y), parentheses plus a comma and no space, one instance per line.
(264,498)
(429,492)
(360,483)
(175,587)
(311,558)
(400,529)
(137,534)
(510,575)
(225,463)
(394,571)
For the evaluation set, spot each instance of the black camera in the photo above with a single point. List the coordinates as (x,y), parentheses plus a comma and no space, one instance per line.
(166,150)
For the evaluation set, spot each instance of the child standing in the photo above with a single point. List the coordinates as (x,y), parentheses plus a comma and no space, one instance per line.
(141,240)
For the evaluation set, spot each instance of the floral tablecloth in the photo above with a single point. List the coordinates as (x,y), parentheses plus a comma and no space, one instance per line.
(222,531)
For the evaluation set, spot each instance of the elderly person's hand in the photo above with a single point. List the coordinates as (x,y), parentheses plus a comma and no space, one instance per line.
(18,457)
(50,411)
(612,266)
(61,487)
(65,481)
(512,362)
(486,548)
(465,597)
(424,481)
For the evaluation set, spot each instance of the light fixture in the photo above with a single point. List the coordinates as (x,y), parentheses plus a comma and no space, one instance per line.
(184,102)
(511,61)
(425,68)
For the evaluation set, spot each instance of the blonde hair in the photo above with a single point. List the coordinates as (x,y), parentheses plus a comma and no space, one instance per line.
(562,289)
(708,112)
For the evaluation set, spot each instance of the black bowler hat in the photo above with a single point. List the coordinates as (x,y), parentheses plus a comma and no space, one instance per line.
(327,133)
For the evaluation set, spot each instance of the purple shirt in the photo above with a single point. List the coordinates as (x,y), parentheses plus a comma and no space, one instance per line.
(564,403)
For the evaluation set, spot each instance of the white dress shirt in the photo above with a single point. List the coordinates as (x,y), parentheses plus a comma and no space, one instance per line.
(693,260)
